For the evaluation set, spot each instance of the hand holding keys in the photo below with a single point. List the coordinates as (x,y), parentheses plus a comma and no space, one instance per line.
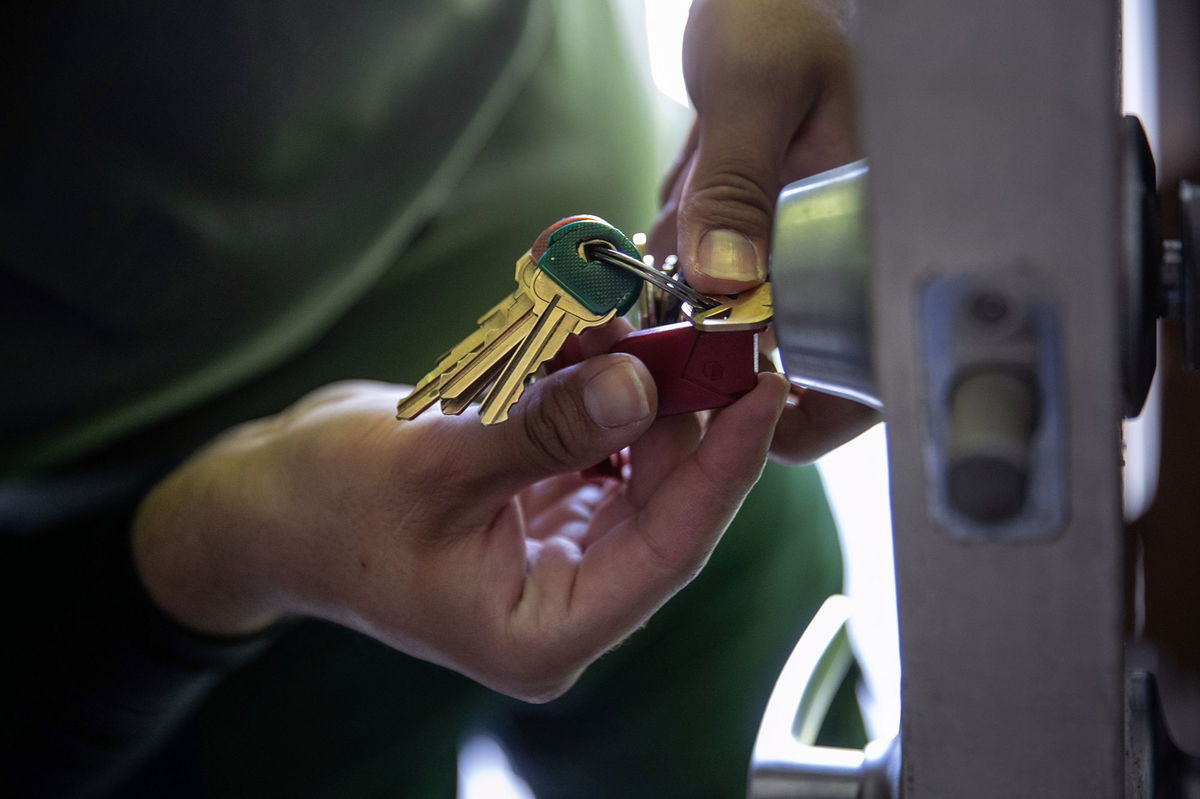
(582,272)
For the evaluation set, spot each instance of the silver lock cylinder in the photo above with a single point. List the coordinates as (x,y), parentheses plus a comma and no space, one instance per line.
(819,281)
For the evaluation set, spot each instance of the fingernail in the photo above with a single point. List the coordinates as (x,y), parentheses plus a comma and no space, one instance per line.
(617,396)
(729,255)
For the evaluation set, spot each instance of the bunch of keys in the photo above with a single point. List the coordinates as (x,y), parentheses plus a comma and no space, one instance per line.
(560,291)
(580,273)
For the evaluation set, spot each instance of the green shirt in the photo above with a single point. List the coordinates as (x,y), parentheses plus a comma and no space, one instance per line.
(198,194)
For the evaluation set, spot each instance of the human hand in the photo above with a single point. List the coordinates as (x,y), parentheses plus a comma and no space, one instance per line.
(773,87)
(478,548)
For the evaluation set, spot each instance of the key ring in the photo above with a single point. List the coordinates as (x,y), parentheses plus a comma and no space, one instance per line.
(676,288)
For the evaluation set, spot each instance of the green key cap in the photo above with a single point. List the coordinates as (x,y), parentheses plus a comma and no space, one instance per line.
(597,285)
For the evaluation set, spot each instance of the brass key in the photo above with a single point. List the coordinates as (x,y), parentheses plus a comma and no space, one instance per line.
(560,291)
(499,337)
(458,362)
(558,316)
(747,310)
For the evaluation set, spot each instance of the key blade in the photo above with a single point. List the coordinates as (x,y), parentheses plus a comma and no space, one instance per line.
(454,406)
(469,354)
(428,389)
(538,347)
(558,316)
(497,350)
(418,400)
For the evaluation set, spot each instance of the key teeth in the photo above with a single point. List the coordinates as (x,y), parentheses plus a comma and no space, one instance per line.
(494,408)
(502,416)
(407,416)
(414,404)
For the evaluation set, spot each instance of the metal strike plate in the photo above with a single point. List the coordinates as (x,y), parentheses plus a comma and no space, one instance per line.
(996,460)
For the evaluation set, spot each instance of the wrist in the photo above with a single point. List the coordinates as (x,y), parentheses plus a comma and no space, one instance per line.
(195,552)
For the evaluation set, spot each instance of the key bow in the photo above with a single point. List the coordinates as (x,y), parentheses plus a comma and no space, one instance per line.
(598,286)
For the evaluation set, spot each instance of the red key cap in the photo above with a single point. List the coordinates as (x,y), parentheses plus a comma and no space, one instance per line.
(694,370)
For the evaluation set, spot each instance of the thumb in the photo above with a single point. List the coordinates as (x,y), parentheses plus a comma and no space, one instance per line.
(568,421)
(749,102)
(728,201)
(754,71)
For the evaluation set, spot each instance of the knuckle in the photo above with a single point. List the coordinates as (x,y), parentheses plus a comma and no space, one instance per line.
(554,425)
(732,197)
(678,567)
(539,693)
(658,557)
(427,483)
(543,685)
(542,664)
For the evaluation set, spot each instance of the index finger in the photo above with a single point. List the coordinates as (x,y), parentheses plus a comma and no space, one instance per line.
(628,573)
